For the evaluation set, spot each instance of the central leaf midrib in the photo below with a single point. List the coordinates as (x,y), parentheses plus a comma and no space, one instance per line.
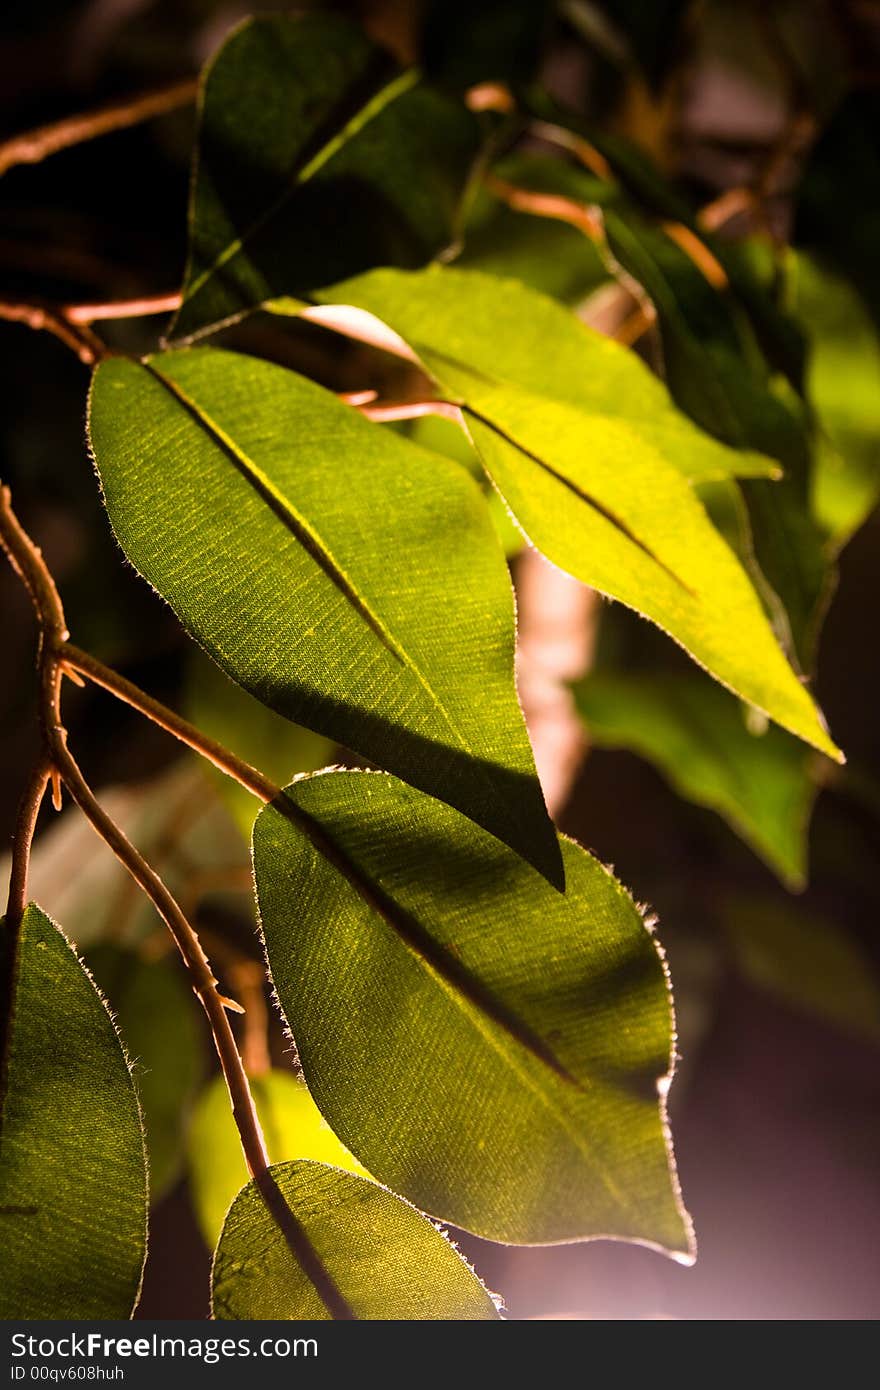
(312,542)
(427,354)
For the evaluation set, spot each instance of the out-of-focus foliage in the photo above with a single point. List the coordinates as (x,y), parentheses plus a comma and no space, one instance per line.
(698,736)
(292,1125)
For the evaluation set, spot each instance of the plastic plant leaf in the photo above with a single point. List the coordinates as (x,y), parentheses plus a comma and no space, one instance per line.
(250,497)
(73,1182)
(488,1048)
(317,158)
(596,465)
(381,1259)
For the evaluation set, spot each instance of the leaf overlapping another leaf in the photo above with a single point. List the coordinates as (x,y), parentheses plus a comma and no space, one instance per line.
(383,1259)
(297,542)
(317,158)
(486,1047)
(596,465)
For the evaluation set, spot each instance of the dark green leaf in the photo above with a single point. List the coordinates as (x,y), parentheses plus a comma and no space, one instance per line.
(384,1259)
(698,737)
(651,32)
(596,465)
(73,1188)
(838,213)
(157,1013)
(317,158)
(487,1047)
(296,541)
(292,1126)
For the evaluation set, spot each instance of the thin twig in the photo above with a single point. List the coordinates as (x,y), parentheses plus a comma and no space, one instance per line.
(28,563)
(25,826)
(122,308)
(72,659)
(50,319)
(32,146)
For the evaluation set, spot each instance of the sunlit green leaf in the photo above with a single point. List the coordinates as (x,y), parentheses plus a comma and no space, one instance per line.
(297,542)
(844,386)
(485,1046)
(595,464)
(317,158)
(292,1125)
(158,1016)
(73,1190)
(382,1258)
(807,960)
(698,737)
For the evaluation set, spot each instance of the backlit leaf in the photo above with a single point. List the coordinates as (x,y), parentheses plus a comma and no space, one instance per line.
(595,464)
(383,1258)
(297,542)
(485,1046)
(73,1188)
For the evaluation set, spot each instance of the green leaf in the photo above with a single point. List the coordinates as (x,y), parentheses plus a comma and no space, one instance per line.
(485,1046)
(317,158)
(805,959)
(73,1185)
(595,464)
(292,1125)
(695,733)
(380,1256)
(157,1013)
(717,374)
(296,542)
(843,383)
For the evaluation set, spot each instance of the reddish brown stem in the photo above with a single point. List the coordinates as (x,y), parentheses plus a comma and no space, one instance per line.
(25,826)
(72,659)
(77,336)
(32,146)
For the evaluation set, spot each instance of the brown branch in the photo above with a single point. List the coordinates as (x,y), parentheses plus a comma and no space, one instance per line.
(77,336)
(122,308)
(585,218)
(28,563)
(72,659)
(25,826)
(32,146)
